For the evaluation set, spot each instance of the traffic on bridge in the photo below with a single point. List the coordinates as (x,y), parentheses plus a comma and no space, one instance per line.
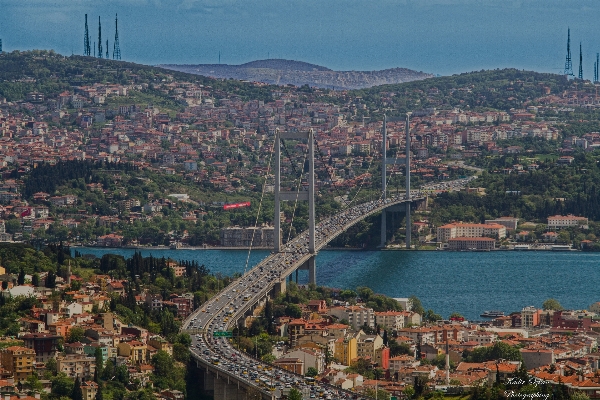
(210,324)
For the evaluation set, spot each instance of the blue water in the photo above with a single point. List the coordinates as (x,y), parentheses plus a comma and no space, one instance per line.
(465,282)
(436,36)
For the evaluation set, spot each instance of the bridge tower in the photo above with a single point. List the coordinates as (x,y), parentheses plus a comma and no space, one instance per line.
(309,196)
(384,163)
(407,173)
(384,181)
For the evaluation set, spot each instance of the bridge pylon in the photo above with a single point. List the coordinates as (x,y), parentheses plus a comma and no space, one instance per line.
(384,162)
(309,196)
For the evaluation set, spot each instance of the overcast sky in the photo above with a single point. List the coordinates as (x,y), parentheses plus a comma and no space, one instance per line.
(437,36)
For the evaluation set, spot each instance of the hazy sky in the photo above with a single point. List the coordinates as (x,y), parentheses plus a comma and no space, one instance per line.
(437,36)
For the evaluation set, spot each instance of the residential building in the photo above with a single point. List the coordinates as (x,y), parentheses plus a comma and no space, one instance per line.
(18,361)
(345,350)
(356,316)
(44,345)
(390,319)
(89,390)
(77,365)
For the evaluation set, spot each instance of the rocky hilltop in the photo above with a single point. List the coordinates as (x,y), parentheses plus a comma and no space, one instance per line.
(284,72)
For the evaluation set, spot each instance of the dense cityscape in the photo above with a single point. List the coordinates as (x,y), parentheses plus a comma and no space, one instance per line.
(102,153)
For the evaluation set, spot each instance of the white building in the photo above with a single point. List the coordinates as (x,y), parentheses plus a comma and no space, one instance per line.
(356,316)
(456,230)
(560,221)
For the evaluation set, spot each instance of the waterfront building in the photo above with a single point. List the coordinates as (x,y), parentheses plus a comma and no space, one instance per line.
(459,230)
(236,236)
(560,221)
(471,243)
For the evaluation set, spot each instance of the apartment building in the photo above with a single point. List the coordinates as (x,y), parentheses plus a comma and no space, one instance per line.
(356,316)
(77,365)
(390,319)
(18,361)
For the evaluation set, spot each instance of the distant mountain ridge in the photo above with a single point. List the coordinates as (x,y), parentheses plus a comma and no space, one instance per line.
(281,64)
(299,73)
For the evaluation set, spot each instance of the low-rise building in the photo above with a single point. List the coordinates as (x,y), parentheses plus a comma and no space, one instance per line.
(560,221)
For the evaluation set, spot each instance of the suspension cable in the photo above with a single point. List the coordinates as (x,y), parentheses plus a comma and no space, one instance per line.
(297,195)
(259,207)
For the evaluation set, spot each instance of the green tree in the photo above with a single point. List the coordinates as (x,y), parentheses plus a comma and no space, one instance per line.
(294,394)
(77,394)
(21,277)
(312,372)
(99,364)
(415,305)
(75,334)
(51,365)
(552,304)
(293,310)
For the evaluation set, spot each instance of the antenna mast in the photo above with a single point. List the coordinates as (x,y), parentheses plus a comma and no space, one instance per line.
(580,63)
(99,38)
(86,39)
(568,64)
(116,48)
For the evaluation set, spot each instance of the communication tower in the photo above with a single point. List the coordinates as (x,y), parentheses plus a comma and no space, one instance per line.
(116,48)
(86,39)
(0,46)
(568,64)
(99,38)
(596,67)
(580,63)
(107,54)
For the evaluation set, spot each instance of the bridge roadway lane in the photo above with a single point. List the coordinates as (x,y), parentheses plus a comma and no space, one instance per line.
(221,312)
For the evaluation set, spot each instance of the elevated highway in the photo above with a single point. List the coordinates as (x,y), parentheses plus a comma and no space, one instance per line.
(230,374)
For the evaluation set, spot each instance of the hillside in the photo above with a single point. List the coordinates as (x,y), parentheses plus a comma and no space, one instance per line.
(297,73)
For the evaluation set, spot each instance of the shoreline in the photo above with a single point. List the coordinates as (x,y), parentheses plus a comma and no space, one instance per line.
(399,248)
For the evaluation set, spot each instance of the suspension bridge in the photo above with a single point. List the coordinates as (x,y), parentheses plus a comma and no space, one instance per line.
(227,374)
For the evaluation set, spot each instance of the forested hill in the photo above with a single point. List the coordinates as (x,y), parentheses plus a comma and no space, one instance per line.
(495,89)
(50,73)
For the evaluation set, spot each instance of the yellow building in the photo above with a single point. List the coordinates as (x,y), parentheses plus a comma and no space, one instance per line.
(345,350)
(89,390)
(18,361)
(161,344)
(136,351)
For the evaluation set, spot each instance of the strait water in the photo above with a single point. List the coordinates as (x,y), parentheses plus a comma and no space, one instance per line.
(465,282)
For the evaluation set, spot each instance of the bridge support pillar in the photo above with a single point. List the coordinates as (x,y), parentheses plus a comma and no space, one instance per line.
(312,269)
(383,229)
(221,390)
(209,382)
(280,287)
(408,226)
